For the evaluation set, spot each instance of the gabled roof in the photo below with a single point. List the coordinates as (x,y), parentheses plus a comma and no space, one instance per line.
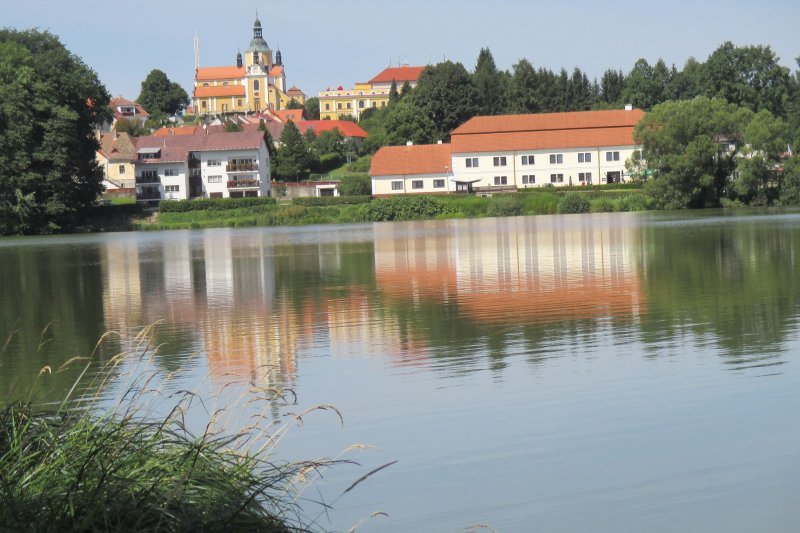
(176,130)
(294,89)
(117,146)
(398,74)
(285,115)
(176,148)
(345,127)
(118,102)
(550,121)
(410,160)
(219,73)
(219,90)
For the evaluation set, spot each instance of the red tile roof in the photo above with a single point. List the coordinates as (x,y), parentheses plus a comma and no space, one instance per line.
(345,127)
(398,74)
(219,73)
(285,115)
(583,129)
(219,90)
(117,146)
(276,70)
(176,130)
(409,160)
(550,121)
(176,148)
(115,103)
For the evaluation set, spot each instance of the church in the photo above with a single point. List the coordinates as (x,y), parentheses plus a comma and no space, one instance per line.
(257,83)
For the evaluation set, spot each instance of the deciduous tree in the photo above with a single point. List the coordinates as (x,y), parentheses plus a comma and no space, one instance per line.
(161,96)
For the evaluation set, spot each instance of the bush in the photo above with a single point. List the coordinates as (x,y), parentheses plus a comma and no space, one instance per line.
(361,164)
(355,185)
(216,204)
(505,205)
(404,208)
(633,202)
(603,204)
(328,162)
(316,201)
(573,202)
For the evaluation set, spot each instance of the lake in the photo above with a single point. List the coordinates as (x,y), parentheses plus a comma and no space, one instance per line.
(605,372)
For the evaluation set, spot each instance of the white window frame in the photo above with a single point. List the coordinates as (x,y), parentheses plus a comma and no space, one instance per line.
(612,156)
(472,162)
(438,184)
(556,159)
(215,179)
(397,185)
(499,161)
(417,184)
(501,180)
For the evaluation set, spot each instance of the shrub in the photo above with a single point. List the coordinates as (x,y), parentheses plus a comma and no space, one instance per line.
(603,204)
(218,204)
(573,202)
(328,162)
(362,164)
(316,201)
(505,205)
(404,208)
(632,202)
(355,185)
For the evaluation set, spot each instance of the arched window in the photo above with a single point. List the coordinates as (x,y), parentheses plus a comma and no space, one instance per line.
(256,85)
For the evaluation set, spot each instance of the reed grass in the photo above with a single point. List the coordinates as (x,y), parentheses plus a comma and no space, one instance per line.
(113,463)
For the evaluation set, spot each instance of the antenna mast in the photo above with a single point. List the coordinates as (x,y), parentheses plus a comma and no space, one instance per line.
(196,51)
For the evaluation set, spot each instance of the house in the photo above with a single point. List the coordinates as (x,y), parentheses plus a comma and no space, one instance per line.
(420,169)
(334,104)
(256,83)
(348,129)
(208,165)
(122,108)
(116,156)
(509,152)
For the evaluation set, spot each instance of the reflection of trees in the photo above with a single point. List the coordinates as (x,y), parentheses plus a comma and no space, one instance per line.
(738,283)
(40,284)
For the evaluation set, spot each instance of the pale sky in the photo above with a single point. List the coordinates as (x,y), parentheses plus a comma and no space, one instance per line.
(326,43)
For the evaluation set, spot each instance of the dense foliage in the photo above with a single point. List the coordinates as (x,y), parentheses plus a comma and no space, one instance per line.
(50,104)
(573,202)
(355,185)
(161,97)
(318,201)
(217,204)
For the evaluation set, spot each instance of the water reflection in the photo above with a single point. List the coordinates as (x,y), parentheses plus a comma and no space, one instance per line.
(249,304)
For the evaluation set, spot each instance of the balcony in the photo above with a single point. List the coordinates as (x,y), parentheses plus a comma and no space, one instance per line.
(148,195)
(242,167)
(148,179)
(194,173)
(244,184)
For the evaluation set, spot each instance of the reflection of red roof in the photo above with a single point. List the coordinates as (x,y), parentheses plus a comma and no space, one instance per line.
(219,90)
(219,73)
(405,160)
(398,74)
(345,127)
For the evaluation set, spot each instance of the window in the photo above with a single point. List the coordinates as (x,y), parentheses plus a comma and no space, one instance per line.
(257,103)
(327,107)
(438,184)
(339,105)
(397,185)
(205,85)
(472,162)
(203,104)
(374,103)
(213,163)
(215,179)
(501,180)
(224,83)
(528,180)
(585,177)
(556,159)
(416,184)
(613,177)
(383,104)
(500,161)
(122,169)
(256,85)
(556,178)
(584,157)
(361,104)
(149,174)
(171,172)
(349,105)
(527,160)
(172,188)
(224,107)
(239,102)
(612,156)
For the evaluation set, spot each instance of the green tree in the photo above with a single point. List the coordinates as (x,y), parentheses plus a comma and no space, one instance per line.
(329,142)
(312,108)
(131,127)
(611,86)
(294,104)
(691,147)
(293,159)
(644,86)
(50,104)
(446,96)
(407,122)
(490,84)
(161,96)
(231,126)
(394,96)
(268,140)
(790,182)
(405,89)
(355,185)
(756,180)
(524,94)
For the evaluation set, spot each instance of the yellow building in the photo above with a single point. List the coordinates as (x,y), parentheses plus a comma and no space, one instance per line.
(333,105)
(256,83)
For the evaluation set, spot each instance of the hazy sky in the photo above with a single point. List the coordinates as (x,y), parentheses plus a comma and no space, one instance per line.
(339,42)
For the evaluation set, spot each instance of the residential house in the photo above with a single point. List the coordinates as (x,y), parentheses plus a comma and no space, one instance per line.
(419,169)
(117,156)
(509,152)
(208,165)
(335,104)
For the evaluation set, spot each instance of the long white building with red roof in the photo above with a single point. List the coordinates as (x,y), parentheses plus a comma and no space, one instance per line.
(337,103)
(509,152)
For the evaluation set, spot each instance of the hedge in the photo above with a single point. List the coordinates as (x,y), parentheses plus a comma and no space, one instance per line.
(321,201)
(219,204)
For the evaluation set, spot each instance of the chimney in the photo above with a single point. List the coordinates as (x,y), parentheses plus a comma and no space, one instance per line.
(628,107)
(409,143)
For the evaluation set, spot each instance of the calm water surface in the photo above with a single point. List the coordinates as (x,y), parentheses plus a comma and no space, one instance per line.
(615,372)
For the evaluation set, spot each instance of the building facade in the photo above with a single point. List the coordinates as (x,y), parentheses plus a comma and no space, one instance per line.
(256,83)
(510,152)
(206,165)
(335,104)
(117,156)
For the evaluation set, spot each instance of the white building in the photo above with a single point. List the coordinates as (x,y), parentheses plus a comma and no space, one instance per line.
(206,165)
(424,169)
(510,152)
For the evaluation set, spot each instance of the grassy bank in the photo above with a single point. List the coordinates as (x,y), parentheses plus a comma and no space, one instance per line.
(543,201)
(85,466)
